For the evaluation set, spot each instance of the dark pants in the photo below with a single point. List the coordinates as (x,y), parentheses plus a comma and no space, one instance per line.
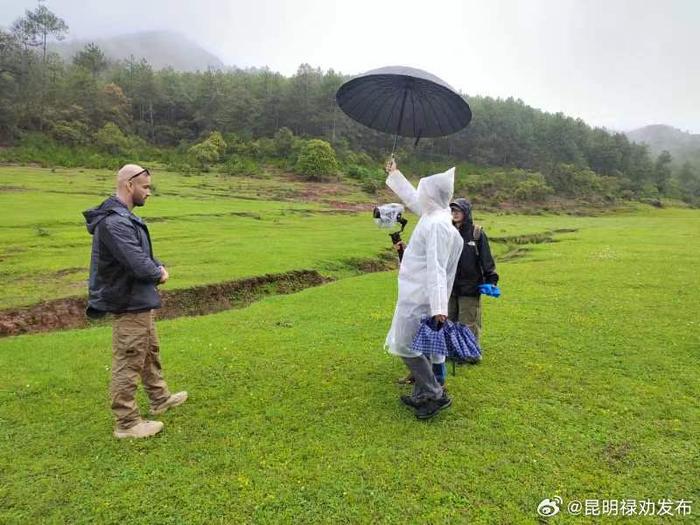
(426,386)
(466,310)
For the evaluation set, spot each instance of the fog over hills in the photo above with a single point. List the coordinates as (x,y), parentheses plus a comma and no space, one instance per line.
(682,146)
(161,48)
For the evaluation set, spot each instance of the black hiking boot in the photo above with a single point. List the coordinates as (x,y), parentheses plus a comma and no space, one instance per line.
(433,406)
(410,401)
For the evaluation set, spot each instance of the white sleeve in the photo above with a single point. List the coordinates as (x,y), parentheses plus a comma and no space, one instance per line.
(404,189)
(438,248)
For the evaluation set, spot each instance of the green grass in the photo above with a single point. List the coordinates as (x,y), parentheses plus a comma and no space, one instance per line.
(205,228)
(588,390)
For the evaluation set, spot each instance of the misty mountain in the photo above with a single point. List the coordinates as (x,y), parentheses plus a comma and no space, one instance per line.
(161,48)
(682,146)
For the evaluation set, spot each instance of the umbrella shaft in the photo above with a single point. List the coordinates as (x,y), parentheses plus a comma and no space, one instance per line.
(398,126)
(403,106)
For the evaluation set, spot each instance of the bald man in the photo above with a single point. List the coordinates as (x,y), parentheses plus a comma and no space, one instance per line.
(123,279)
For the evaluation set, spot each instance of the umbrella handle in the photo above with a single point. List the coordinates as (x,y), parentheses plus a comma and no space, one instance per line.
(392,157)
(393,149)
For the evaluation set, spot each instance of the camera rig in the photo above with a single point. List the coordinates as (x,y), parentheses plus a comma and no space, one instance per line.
(389,215)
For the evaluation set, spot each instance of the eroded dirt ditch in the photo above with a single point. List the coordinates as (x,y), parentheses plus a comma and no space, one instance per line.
(517,245)
(67,313)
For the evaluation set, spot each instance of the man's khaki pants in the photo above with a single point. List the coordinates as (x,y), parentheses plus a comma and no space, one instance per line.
(466,310)
(135,353)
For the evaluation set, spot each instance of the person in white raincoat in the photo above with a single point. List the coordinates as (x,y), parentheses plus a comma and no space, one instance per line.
(426,276)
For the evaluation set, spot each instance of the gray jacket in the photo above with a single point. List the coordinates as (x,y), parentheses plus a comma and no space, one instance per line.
(123,271)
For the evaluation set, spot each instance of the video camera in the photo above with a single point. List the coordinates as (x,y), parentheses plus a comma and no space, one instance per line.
(388,216)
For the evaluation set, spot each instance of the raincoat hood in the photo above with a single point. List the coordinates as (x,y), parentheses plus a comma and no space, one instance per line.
(93,216)
(435,192)
(465,207)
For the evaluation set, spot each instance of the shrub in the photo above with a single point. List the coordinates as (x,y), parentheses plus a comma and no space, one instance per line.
(69,133)
(570,180)
(111,139)
(371,186)
(207,152)
(248,149)
(238,165)
(532,190)
(357,172)
(218,141)
(360,158)
(317,160)
(166,135)
(284,142)
(649,191)
(265,148)
(203,155)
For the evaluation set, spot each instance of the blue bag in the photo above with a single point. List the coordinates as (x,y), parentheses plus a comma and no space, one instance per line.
(461,343)
(453,340)
(430,339)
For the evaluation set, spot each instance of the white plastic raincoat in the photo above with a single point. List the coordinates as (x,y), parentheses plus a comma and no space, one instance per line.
(430,261)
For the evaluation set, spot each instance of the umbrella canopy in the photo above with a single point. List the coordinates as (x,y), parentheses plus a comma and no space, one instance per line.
(404,101)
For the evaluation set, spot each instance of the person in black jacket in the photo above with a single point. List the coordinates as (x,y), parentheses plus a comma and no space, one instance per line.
(476,267)
(123,278)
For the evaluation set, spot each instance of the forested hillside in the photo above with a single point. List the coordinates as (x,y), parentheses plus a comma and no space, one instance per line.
(78,111)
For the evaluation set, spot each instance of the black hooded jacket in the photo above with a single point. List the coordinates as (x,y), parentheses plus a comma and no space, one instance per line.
(123,271)
(476,265)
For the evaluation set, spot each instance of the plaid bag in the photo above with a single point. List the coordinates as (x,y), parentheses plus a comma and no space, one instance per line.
(430,339)
(461,343)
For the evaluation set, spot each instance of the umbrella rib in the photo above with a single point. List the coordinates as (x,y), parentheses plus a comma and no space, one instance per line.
(458,104)
(361,94)
(379,108)
(421,110)
(374,109)
(435,115)
(391,114)
(358,95)
(450,117)
(366,111)
(452,120)
(373,94)
(416,99)
(413,109)
(457,110)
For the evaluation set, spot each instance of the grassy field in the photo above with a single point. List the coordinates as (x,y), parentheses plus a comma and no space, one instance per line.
(588,389)
(206,228)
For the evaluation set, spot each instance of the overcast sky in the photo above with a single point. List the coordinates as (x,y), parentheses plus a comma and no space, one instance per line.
(615,63)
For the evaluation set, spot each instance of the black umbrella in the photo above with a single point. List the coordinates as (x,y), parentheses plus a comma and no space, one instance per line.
(404,101)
